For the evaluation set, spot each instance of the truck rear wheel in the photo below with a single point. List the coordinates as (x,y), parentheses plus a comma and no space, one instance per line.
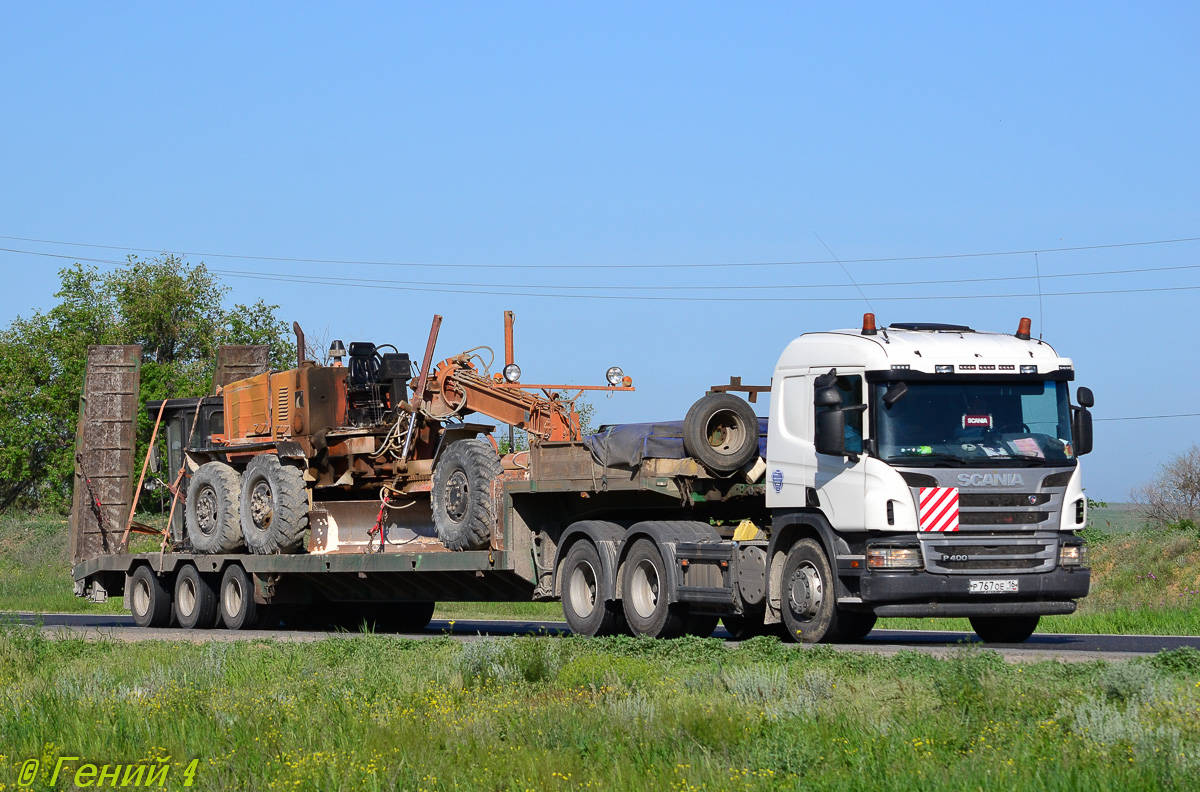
(721,431)
(195,600)
(701,625)
(238,609)
(462,495)
(808,602)
(213,516)
(149,599)
(584,607)
(274,506)
(1004,629)
(644,594)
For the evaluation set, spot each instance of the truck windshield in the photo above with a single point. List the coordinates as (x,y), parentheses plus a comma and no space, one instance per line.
(976,423)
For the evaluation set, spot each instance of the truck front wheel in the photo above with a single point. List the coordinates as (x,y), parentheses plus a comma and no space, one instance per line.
(644,594)
(1004,629)
(808,603)
(584,607)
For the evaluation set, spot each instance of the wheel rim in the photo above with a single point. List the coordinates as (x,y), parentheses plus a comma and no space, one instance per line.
(233,597)
(725,432)
(206,511)
(141,598)
(261,506)
(644,588)
(457,492)
(582,589)
(806,591)
(185,598)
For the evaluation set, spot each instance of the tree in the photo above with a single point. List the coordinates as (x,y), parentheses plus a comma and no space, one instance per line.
(1174,496)
(173,309)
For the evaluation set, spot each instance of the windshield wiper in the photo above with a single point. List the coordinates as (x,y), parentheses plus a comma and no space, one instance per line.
(954,460)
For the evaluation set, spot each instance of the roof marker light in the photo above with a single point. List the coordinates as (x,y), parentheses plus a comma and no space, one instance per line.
(1023,328)
(868,327)
(943,369)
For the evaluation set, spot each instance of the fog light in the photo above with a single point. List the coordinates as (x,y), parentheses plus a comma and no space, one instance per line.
(1073,555)
(894,558)
(512,372)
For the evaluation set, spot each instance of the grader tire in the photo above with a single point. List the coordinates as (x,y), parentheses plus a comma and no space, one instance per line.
(463,513)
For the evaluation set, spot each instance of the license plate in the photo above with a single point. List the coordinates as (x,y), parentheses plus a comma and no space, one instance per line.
(992,587)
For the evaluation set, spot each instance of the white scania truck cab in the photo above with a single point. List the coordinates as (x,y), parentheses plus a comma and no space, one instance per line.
(937,468)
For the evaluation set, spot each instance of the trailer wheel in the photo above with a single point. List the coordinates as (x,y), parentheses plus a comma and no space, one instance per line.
(644,594)
(274,506)
(212,514)
(586,611)
(149,599)
(701,625)
(808,603)
(397,617)
(195,600)
(721,431)
(853,626)
(1004,629)
(238,609)
(462,495)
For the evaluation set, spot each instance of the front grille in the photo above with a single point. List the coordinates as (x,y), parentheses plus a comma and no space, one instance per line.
(1001,518)
(961,555)
(1002,499)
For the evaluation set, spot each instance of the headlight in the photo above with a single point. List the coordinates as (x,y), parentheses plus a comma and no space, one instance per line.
(614,376)
(894,558)
(1073,555)
(512,372)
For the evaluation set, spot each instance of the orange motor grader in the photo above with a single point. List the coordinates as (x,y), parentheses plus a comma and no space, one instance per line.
(360,451)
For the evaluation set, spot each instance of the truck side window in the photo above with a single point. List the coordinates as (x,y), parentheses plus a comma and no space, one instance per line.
(852,393)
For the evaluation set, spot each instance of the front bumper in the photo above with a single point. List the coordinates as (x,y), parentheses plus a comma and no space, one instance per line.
(921,593)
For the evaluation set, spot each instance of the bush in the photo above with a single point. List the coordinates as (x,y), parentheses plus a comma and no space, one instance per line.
(1173,498)
(528,660)
(1185,660)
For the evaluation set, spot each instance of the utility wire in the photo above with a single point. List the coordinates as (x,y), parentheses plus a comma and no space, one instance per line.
(1149,417)
(722,288)
(941,257)
(846,271)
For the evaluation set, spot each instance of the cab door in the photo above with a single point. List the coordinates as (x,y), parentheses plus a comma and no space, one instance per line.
(841,482)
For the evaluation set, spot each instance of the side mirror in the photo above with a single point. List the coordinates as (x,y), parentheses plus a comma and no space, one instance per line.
(831,432)
(1085,397)
(828,396)
(1081,429)
(894,394)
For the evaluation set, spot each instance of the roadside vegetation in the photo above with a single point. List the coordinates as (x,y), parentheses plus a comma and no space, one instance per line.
(539,713)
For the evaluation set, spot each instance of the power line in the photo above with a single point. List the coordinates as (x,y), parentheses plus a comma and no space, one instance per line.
(940,257)
(1149,417)
(317,281)
(723,288)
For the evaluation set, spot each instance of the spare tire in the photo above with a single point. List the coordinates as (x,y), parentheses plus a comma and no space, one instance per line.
(721,432)
(463,513)
(212,513)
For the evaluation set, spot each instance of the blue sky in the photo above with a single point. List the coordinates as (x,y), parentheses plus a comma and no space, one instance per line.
(547,140)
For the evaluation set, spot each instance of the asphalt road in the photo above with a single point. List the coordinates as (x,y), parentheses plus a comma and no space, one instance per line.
(1042,646)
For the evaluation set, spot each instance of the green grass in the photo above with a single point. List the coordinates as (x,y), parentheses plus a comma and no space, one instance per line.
(375,713)
(1143,581)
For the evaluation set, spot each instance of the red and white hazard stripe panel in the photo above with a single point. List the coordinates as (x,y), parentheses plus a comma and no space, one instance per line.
(939,509)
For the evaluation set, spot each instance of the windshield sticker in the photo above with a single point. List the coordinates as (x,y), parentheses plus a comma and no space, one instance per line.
(977,422)
(995,451)
(916,450)
(1027,446)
